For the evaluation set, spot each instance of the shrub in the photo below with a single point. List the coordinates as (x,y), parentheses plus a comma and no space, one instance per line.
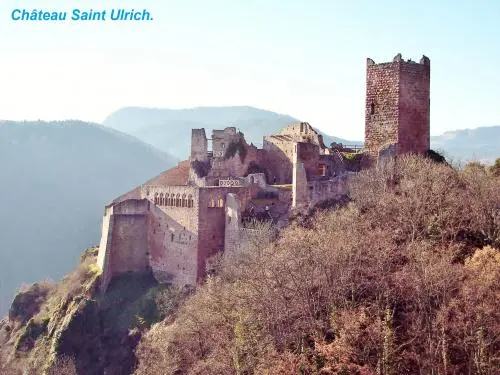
(373,286)
(201,168)
(236,147)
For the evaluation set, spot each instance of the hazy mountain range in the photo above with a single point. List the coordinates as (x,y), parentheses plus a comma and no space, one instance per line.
(169,129)
(55,179)
(480,144)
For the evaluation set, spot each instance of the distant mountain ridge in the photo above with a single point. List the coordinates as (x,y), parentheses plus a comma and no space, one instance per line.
(479,144)
(170,129)
(56,178)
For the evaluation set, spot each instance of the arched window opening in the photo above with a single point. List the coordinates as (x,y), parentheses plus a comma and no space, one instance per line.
(190,201)
(211,203)
(220,202)
(184,200)
(372,108)
(178,200)
(162,200)
(156,198)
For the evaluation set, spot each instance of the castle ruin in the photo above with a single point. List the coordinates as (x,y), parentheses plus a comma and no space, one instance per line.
(173,223)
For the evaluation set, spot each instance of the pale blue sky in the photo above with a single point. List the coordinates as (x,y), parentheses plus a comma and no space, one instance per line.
(303,58)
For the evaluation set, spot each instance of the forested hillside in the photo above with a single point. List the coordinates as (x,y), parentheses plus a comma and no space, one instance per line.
(405,279)
(402,277)
(55,178)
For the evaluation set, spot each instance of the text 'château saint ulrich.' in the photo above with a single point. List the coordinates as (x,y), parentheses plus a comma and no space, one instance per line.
(115,14)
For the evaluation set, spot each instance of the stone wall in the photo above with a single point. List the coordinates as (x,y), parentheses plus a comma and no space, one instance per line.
(279,158)
(414,108)
(232,236)
(382,105)
(308,155)
(173,232)
(212,218)
(397,105)
(236,166)
(322,190)
(299,186)
(303,132)
(221,139)
(129,244)
(199,145)
(105,247)
(124,239)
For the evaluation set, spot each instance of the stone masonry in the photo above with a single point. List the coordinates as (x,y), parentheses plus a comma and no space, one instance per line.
(397,108)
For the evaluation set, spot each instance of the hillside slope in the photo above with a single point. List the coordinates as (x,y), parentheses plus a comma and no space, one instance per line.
(169,129)
(55,180)
(399,280)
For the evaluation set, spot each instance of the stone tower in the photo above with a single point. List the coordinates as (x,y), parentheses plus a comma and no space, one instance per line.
(397,109)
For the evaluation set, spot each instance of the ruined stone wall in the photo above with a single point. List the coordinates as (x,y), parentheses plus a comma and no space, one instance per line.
(278,158)
(129,244)
(232,228)
(199,145)
(334,163)
(414,108)
(299,186)
(397,108)
(105,247)
(308,155)
(222,138)
(124,242)
(173,232)
(321,190)
(303,132)
(212,203)
(235,166)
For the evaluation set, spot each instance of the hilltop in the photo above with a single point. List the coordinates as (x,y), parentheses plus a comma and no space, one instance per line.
(401,277)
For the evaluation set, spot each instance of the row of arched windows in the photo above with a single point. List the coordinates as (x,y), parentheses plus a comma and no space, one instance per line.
(216,203)
(174,200)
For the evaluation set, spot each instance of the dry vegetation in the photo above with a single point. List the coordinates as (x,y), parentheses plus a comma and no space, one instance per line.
(70,328)
(405,279)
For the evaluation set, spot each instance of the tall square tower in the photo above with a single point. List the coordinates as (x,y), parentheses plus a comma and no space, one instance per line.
(397,108)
